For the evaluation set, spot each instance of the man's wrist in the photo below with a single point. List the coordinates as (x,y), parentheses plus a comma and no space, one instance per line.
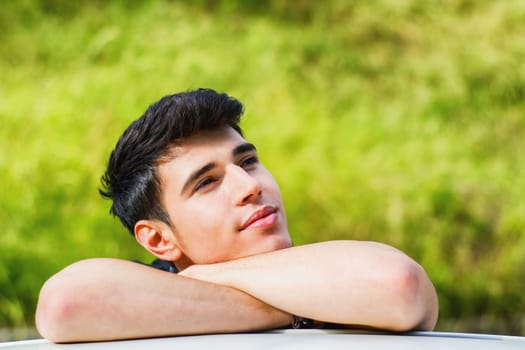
(301,322)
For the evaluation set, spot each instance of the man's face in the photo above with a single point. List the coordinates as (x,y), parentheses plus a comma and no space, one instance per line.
(222,202)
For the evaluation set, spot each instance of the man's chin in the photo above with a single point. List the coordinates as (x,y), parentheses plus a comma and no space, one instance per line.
(279,242)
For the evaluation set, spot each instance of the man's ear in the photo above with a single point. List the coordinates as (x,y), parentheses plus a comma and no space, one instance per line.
(158,238)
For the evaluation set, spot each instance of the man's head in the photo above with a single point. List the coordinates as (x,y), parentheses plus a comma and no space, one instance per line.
(185,182)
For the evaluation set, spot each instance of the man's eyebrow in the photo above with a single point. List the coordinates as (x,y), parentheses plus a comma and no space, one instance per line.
(243,148)
(195,175)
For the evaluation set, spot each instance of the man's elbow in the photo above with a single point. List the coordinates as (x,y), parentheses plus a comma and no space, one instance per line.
(57,307)
(418,304)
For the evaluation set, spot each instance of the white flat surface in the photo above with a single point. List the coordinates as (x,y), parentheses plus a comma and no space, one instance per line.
(295,339)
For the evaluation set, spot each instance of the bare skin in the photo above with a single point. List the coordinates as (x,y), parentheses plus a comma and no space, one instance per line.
(360,283)
(109,299)
(239,271)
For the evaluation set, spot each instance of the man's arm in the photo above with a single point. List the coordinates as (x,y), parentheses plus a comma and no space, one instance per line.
(106,299)
(346,282)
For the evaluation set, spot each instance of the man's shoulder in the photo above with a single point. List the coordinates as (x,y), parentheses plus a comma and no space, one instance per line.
(164,265)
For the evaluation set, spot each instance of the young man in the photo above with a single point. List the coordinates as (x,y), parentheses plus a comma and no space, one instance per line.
(193,192)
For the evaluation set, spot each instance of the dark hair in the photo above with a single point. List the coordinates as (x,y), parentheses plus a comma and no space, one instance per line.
(131,178)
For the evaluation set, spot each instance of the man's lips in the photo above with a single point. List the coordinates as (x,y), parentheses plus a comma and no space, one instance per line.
(264,217)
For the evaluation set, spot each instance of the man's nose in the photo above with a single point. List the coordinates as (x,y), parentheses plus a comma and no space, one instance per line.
(244,187)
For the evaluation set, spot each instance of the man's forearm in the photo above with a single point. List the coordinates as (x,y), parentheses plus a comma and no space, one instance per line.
(105,299)
(347,282)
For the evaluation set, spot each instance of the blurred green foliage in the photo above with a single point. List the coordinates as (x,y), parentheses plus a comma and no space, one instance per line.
(397,121)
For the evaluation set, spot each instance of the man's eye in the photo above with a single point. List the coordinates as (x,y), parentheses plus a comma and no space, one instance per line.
(204,183)
(248,161)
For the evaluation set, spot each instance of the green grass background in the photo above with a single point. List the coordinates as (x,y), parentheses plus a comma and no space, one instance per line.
(398,121)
